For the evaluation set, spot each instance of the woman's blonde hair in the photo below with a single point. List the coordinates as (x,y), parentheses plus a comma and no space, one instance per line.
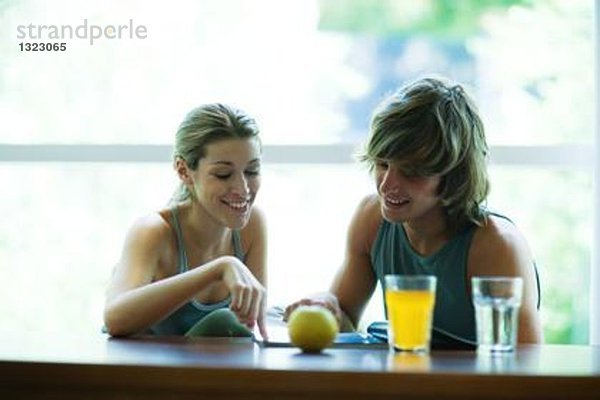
(204,125)
(432,128)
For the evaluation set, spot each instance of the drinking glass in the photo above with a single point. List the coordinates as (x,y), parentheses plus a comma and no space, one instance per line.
(497,301)
(410,300)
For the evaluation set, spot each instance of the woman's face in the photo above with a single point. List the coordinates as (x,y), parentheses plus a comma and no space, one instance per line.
(405,197)
(227,179)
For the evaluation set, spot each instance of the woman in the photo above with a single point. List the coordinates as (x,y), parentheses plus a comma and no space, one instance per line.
(427,150)
(207,250)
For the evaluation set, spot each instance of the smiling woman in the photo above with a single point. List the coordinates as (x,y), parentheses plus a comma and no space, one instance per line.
(183,265)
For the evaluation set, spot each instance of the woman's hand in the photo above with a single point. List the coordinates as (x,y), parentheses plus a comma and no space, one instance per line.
(248,295)
(326,300)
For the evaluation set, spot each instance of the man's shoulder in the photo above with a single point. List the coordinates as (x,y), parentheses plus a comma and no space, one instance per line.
(366,222)
(370,207)
(499,241)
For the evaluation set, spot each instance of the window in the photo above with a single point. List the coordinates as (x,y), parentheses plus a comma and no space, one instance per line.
(86,133)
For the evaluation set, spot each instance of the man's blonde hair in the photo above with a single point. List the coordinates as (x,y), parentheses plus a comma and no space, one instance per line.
(431,127)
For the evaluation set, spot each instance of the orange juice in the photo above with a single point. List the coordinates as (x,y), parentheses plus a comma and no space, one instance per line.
(410,313)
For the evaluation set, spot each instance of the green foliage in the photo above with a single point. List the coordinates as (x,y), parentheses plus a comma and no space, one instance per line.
(399,18)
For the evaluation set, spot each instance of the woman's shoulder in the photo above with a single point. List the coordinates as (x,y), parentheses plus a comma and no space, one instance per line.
(257,220)
(151,229)
(256,227)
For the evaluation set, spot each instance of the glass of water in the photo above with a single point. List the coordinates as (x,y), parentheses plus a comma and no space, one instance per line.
(497,301)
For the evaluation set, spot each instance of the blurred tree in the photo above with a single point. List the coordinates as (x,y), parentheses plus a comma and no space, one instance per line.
(442,18)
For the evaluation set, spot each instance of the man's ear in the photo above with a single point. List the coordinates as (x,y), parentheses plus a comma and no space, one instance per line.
(183,171)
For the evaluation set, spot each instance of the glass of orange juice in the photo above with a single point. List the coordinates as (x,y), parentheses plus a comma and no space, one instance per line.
(409,301)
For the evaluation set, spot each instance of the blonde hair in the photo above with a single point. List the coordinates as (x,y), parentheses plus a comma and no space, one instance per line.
(202,126)
(432,127)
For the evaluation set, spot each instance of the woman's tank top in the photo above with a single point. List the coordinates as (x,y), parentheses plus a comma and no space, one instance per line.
(180,321)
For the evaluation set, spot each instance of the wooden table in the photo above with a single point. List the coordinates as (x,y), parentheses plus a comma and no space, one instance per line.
(148,368)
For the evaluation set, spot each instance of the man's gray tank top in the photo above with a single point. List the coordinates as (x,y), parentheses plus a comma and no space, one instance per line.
(392,254)
(180,321)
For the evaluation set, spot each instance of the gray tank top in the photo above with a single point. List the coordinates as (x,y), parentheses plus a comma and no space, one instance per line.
(392,254)
(180,321)
(454,314)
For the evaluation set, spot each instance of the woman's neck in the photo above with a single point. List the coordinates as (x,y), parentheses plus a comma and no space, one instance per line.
(202,227)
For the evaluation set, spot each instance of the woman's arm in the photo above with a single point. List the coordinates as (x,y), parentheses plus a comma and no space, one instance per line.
(135,302)
(498,248)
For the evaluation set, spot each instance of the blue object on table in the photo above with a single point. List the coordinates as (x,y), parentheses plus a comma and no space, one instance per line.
(440,339)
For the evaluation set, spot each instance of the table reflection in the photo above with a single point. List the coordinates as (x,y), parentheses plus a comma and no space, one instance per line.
(409,362)
(496,362)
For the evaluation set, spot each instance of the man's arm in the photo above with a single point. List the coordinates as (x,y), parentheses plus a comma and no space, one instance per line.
(355,281)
